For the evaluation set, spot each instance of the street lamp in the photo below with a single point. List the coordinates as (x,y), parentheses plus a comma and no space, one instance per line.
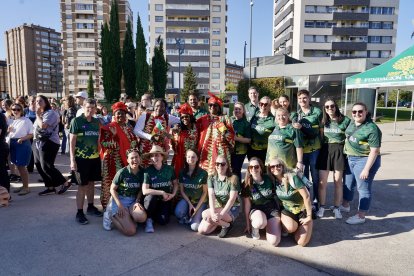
(180,46)
(250,56)
(244,57)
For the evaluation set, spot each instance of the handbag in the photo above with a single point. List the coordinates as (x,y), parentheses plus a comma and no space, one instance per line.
(42,134)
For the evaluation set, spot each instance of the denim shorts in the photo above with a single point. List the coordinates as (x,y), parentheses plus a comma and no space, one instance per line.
(234,212)
(125,201)
(20,154)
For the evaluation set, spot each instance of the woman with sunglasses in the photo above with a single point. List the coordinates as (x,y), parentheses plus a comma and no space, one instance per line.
(362,147)
(20,132)
(193,189)
(262,125)
(285,142)
(223,190)
(242,138)
(260,207)
(331,156)
(296,214)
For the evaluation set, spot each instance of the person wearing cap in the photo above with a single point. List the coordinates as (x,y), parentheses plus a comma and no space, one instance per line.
(153,128)
(115,139)
(216,135)
(159,187)
(184,138)
(81,96)
(131,113)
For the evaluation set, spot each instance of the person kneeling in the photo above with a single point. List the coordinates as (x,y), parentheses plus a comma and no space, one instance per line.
(125,211)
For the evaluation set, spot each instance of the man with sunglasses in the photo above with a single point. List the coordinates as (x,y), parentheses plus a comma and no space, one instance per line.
(252,107)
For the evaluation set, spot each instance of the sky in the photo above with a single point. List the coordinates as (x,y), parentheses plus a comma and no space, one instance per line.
(46,13)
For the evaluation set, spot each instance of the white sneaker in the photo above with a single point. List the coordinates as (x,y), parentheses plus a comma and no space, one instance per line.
(255,233)
(320,212)
(342,208)
(149,228)
(337,213)
(355,220)
(107,222)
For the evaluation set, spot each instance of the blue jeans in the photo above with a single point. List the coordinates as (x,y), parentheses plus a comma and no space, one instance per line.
(181,212)
(364,186)
(309,160)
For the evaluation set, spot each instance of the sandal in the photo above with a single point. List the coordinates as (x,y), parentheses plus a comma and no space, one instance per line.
(24,191)
(64,188)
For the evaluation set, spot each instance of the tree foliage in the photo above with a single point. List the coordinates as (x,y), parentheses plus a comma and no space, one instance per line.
(231,87)
(128,62)
(115,53)
(190,83)
(159,69)
(271,87)
(90,90)
(106,74)
(142,69)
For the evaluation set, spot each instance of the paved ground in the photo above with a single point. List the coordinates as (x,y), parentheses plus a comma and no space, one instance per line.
(39,236)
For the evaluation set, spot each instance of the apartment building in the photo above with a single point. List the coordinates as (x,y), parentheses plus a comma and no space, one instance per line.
(81,36)
(234,73)
(34,61)
(3,79)
(200,27)
(316,30)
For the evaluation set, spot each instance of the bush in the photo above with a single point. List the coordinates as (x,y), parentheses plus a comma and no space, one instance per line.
(271,87)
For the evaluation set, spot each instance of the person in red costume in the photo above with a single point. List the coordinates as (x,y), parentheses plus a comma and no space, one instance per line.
(115,139)
(216,135)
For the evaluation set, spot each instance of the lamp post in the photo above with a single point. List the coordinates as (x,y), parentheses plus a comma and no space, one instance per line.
(244,57)
(250,55)
(180,46)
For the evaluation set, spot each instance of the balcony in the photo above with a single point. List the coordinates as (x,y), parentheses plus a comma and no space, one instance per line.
(350,16)
(349,31)
(351,2)
(177,12)
(170,23)
(349,46)
(342,57)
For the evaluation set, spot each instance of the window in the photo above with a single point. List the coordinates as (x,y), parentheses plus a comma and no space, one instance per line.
(385,54)
(216,20)
(216,31)
(388,10)
(215,86)
(216,8)
(374,39)
(215,64)
(68,26)
(309,24)
(159,7)
(68,16)
(310,9)
(215,75)
(83,26)
(159,30)
(387,25)
(206,41)
(375,10)
(159,18)
(374,54)
(308,38)
(375,25)
(216,42)
(215,53)
(320,24)
(386,39)
(320,38)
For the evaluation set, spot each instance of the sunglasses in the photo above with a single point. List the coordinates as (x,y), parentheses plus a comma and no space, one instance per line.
(279,166)
(218,164)
(263,104)
(357,111)
(16,109)
(332,106)
(256,167)
(212,105)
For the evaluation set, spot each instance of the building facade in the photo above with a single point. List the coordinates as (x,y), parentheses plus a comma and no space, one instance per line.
(315,30)
(200,27)
(3,79)
(234,73)
(81,36)
(34,61)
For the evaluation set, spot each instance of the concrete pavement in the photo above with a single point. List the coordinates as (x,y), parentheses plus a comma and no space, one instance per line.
(39,236)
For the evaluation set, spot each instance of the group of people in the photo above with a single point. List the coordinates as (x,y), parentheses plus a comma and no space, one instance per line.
(128,151)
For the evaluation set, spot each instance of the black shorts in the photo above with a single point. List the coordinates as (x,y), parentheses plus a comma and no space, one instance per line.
(271,210)
(331,158)
(293,216)
(89,170)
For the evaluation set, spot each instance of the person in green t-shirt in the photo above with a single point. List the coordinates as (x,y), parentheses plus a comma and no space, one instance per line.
(260,206)
(126,211)
(262,125)
(223,190)
(242,138)
(193,189)
(159,188)
(252,107)
(284,102)
(362,146)
(331,156)
(194,103)
(296,215)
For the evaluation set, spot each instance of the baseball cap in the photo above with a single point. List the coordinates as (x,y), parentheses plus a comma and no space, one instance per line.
(82,94)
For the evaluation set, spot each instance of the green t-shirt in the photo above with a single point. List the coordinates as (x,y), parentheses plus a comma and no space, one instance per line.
(193,186)
(160,180)
(199,113)
(311,123)
(283,143)
(359,139)
(222,189)
(260,193)
(251,110)
(334,133)
(262,127)
(129,184)
(87,135)
(291,199)
(241,129)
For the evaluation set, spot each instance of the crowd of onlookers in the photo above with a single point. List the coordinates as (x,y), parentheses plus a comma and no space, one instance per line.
(290,155)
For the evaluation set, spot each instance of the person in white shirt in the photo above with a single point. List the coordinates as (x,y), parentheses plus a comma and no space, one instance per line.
(81,96)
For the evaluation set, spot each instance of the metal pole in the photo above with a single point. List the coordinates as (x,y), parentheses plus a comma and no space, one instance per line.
(346,101)
(396,112)
(244,57)
(250,56)
(412,109)
(179,75)
(374,117)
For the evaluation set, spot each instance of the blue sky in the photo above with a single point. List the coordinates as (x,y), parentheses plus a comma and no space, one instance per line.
(46,13)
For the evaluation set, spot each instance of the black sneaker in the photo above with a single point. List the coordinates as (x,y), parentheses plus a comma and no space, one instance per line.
(16,179)
(93,211)
(81,219)
(48,192)
(225,230)
(64,188)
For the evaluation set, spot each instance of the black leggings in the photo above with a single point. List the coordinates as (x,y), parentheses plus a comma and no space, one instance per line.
(44,159)
(157,209)
(4,176)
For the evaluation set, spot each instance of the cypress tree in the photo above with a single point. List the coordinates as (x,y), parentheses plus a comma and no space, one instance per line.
(159,70)
(142,69)
(128,62)
(190,83)
(115,59)
(106,74)
(90,89)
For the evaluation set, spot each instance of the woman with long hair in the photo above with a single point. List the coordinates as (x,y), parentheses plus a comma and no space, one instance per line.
(193,188)
(261,209)
(284,102)
(296,215)
(331,156)
(224,206)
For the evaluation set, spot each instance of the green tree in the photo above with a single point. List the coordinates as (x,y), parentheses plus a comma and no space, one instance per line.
(90,90)
(231,87)
(106,73)
(271,87)
(159,69)
(141,65)
(190,83)
(115,58)
(128,62)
